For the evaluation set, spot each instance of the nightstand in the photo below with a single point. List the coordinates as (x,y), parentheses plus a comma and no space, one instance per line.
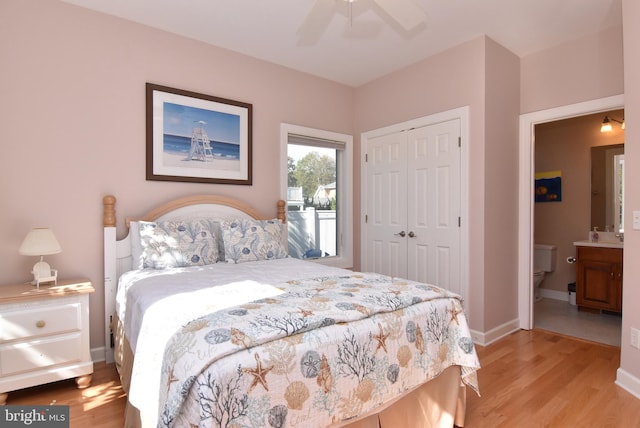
(44,335)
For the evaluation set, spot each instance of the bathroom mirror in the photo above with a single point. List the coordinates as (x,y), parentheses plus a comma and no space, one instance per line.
(607,176)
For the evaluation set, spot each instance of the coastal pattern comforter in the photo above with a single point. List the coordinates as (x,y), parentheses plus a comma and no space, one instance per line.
(318,352)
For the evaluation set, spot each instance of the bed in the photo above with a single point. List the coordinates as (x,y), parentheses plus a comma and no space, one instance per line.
(210,323)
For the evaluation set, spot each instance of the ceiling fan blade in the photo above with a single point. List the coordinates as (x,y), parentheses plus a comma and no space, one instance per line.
(363,29)
(405,12)
(316,21)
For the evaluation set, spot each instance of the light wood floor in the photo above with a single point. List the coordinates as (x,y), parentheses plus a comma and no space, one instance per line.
(528,379)
(99,406)
(542,379)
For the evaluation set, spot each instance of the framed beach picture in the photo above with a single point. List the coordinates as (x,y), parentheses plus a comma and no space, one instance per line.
(197,138)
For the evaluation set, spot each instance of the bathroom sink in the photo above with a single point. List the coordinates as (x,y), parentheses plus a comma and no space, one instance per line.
(600,243)
(605,240)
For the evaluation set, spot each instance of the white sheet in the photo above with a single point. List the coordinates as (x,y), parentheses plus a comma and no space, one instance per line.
(151,311)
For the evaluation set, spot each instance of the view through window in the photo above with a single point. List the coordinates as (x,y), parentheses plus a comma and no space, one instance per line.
(312,197)
(316,180)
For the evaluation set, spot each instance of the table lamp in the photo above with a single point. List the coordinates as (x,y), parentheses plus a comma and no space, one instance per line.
(41,241)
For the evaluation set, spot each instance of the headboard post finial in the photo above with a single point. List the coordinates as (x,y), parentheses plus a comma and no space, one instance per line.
(109,214)
(282,211)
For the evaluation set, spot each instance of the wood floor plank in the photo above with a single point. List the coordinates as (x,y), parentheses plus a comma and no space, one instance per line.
(544,379)
(530,379)
(101,405)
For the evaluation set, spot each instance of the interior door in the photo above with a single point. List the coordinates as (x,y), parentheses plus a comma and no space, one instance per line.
(413,204)
(386,205)
(433,204)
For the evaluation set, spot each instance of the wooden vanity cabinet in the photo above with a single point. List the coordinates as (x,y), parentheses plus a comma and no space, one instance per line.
(599,278)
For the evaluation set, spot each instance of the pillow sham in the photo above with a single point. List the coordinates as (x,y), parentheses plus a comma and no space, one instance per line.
(247,240)
(178,243)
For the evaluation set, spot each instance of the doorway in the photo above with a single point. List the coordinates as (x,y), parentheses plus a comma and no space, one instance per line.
(526,189)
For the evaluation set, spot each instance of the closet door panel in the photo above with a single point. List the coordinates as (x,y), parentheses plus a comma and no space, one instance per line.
(413,204)
(386,205)
(433,206)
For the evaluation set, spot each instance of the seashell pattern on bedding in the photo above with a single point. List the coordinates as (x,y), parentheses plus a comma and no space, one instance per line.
(325,350)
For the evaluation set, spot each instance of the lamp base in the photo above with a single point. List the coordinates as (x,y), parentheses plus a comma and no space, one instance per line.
(43,273)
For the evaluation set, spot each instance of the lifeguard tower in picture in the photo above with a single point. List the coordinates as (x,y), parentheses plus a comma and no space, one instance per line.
(200,145)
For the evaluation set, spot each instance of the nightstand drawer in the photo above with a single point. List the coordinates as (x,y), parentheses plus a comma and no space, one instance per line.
(40,321)
(44,335)
(38,354)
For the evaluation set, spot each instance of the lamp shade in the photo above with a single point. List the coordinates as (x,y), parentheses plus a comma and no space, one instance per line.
(40,241)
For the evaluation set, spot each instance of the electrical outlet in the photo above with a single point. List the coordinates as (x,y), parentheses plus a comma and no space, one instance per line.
(635,337)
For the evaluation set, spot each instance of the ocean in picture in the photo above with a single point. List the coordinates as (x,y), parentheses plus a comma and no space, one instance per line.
(181,145)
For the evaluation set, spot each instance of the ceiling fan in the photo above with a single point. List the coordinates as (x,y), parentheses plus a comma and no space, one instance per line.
(406,13)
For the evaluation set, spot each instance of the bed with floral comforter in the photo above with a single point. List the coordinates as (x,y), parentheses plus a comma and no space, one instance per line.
(316,352)
(213,325)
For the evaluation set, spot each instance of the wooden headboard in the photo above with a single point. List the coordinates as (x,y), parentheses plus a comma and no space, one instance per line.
(109,204)
(117,253)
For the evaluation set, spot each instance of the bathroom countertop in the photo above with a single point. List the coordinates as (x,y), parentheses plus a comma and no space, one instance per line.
(602,244)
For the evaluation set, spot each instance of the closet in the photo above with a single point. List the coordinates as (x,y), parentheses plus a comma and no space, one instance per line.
(412,204)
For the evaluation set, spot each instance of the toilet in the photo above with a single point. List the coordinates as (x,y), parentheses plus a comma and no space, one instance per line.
(544,260)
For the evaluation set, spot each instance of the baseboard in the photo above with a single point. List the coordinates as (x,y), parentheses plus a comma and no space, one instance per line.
(628,382)
(554,294)
(97,354)
(484,339)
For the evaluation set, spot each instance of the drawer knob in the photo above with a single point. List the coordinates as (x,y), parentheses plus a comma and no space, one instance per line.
(40,323)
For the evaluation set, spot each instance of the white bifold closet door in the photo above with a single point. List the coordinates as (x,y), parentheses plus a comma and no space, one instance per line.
(413,204)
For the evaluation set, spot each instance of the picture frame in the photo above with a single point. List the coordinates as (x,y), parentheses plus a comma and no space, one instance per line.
(198,138)
(548,186)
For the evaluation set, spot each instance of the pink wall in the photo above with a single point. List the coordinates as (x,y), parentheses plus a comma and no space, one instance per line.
(582,70)
(630,357)
(483,75)
(73,130)
(502,99)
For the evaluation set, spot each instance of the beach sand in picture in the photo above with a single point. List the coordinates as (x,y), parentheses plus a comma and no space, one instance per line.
(180,160)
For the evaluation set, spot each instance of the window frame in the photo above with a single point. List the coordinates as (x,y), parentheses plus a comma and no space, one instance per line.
(344,182)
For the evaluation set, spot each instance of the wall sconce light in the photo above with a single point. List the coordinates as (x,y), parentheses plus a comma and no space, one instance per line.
(606,124)
(41,242)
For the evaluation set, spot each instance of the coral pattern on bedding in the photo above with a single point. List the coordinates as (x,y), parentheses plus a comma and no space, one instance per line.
(179,243)
(326,350)
(247,240)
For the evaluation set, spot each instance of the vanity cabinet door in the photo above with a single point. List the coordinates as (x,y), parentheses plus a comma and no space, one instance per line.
(599,278)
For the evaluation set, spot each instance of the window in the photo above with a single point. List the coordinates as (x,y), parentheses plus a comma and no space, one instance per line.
(316,183)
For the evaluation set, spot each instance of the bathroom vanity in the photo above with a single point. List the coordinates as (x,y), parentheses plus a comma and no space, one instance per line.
(599,276)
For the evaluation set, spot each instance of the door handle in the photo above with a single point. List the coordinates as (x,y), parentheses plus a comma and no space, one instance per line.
(412,235)
(402,234)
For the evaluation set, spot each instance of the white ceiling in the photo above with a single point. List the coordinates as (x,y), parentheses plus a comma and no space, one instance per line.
(373,44)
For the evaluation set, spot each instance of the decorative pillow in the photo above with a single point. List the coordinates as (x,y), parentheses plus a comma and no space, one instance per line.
(178,243)
(247,240)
